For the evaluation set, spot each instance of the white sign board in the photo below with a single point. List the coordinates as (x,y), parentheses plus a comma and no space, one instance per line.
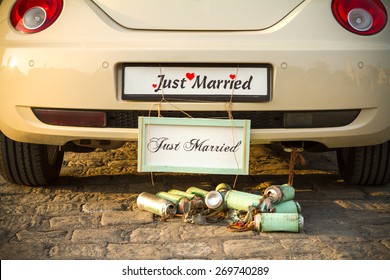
(209,82)
(193,145)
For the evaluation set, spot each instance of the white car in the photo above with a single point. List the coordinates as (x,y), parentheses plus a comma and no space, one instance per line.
(77,74)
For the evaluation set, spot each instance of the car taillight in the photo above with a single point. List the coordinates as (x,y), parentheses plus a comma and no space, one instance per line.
(363,17)
(31,16)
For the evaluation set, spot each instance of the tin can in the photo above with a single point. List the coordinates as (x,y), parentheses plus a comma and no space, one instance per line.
(266,205)
(181,193)
(215,200)
(170,197)
(268,222)
(197,191)
(290,206)
(175,199)
(241,200)
(279,194)
(223,187)
(154,204)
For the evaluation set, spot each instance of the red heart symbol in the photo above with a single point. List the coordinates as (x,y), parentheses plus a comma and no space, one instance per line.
(154,85)
(232,76)
(190,76)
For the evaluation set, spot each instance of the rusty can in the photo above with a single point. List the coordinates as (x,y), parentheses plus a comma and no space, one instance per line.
(268,222)
(156,205)
(196,203)
(175,199)
(290,206)
(279,194)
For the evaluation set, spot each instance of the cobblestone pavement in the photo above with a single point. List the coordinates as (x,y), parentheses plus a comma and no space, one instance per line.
(90,214)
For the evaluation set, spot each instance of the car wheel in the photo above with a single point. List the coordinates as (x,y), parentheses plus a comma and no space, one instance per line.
(29,164)
(369,165)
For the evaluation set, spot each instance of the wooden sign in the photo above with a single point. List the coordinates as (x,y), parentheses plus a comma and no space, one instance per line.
(189,145)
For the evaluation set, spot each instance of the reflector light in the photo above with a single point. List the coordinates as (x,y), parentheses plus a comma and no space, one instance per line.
(31,16)
(319,118)
(71,117)
(363,17)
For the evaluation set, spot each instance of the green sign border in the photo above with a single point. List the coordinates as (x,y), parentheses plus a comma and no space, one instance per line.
(143,122)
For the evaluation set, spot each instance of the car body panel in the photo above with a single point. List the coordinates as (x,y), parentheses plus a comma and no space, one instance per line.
(76,64)
(197,14)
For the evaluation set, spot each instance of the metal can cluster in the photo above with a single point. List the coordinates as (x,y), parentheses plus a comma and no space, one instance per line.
(275,210)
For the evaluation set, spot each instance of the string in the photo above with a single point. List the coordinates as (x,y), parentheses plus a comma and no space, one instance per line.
(228,107)
(158,115)
(150,154)
(295,159)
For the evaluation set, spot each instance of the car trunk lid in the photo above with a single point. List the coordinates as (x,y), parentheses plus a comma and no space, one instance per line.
(196,15)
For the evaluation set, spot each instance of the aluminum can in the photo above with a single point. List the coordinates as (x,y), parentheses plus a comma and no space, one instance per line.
(154,204)
(197,191)
(170,197)
(279,194)
(223,187)
(215,200)
(181,193)
(196,202)
(290,206)
(241,200)
(175,199)
(268,222)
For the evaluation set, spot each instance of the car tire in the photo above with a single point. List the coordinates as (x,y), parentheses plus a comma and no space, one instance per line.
(369,165)
(29,164)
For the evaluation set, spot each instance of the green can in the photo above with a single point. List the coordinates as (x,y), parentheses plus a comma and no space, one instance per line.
(290,206)
(197,191)
(241,200)
(268,222)
(223,187)
(279,194)
(190,196)
(196,203)
(176,199)
(170,197)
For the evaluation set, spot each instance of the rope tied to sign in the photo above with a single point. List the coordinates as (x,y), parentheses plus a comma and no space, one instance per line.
(228,108)
(295,159)
(164,100)
(159,115)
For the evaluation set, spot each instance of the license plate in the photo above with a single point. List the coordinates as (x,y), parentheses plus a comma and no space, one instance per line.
(249,82)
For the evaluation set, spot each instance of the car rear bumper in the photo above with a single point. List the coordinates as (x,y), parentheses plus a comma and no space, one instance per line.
(362,131)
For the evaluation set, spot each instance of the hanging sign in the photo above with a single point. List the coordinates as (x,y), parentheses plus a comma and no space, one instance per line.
(189,145)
